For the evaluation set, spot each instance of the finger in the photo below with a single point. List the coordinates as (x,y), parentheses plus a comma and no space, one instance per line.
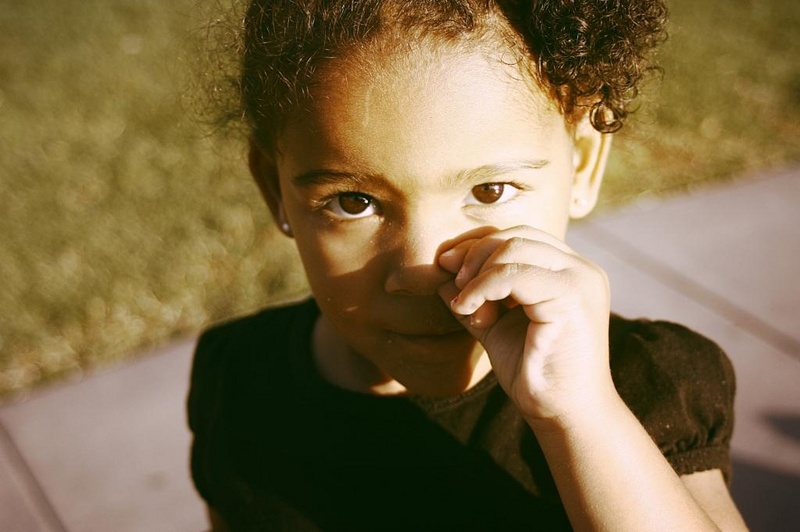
(451,252)
(518,244)
(452,259)
(525,284)
(486,315)
(449,293)
(526,251)
(483,318)
(581,283)
(538,235)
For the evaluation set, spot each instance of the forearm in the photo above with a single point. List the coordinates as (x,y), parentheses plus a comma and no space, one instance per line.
(611,476)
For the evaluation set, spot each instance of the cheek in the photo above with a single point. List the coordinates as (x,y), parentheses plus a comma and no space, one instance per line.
(347,270)
(333,253)
(546,209)
(554,218)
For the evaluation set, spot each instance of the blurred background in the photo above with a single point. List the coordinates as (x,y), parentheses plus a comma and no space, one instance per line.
(126,224)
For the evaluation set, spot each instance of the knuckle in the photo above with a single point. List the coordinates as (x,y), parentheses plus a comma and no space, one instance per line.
(509,269)
(596,272)
(515,244)
(587,280)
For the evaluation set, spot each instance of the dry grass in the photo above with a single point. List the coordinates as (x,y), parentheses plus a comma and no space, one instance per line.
(125,226)
(729,103)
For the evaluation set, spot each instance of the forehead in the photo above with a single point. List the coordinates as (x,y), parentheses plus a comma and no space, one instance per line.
(402,71)
(422,109)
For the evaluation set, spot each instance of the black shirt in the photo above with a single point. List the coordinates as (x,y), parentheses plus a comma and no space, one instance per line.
(278,448)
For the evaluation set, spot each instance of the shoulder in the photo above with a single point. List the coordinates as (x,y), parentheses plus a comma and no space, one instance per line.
(256,328)
(667,350)
(680,385)
(267,330)
(230,352)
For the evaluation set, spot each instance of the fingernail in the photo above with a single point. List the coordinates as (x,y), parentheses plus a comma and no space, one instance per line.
(448,253)
(454,302)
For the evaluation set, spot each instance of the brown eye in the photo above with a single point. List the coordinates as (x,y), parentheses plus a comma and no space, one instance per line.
(492,194)
(488,192)
(352,205)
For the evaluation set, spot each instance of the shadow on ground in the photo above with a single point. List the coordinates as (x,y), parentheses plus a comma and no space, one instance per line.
(769,499)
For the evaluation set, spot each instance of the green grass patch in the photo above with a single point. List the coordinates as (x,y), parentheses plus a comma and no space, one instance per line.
(125,225)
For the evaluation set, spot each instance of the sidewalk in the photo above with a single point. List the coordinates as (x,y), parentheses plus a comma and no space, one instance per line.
(110,453)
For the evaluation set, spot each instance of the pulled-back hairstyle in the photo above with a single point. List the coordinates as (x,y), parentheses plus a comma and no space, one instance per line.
(589,55)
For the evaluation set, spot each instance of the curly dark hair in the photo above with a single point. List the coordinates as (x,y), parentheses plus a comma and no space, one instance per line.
(589,55)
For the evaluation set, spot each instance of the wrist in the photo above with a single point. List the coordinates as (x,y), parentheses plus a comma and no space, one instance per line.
(598,412)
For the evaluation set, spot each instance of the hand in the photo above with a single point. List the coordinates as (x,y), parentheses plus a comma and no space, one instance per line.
(541,312)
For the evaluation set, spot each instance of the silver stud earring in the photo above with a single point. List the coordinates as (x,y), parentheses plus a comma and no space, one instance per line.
(283,223)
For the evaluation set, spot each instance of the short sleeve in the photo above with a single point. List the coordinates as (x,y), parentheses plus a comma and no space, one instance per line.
(681,387)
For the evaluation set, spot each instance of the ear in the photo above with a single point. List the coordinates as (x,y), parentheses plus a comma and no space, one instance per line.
(265,173)
(591,155)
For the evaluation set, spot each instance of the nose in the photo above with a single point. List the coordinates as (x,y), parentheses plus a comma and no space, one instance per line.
(414,268)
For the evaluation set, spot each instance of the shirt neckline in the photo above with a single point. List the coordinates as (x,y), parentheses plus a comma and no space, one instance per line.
(311,382)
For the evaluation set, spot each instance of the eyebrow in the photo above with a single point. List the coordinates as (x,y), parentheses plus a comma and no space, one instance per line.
(323,177)
(471,175)
(489,171)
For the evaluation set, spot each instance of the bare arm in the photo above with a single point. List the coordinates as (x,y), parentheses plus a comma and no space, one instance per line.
(611,476)
(710,491)
(541,311)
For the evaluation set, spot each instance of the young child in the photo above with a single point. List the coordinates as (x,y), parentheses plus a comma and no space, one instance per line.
(458,367)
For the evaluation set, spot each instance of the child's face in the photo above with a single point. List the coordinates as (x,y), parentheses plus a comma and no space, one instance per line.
(394,163)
